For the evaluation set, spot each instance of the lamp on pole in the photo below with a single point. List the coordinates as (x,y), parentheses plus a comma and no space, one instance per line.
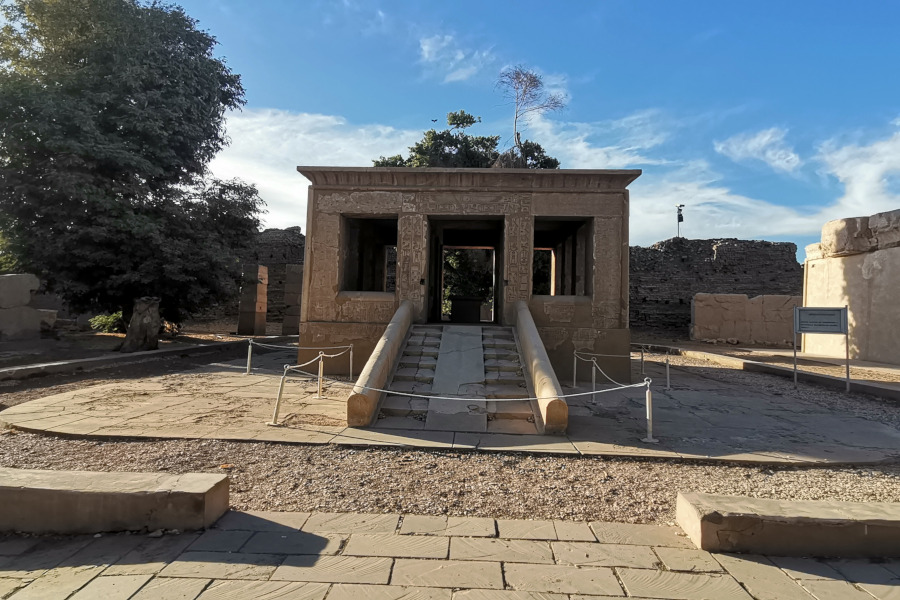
(678,208)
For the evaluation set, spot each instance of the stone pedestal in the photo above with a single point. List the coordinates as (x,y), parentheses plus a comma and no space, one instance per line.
(293,288)
(254,301)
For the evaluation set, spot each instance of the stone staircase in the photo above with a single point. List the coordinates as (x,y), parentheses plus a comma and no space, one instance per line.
(481,363)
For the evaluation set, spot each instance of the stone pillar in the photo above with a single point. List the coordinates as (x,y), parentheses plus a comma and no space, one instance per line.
(254,300)
(293,289)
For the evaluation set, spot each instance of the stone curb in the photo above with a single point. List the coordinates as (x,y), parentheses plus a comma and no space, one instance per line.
(112,360)
(829,381)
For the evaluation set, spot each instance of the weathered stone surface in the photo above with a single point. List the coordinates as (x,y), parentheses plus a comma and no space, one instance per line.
(604,555)
(113,587)
(685,559)
(17,289)
(351,523)
(562,579)
(268,590)
(171,587)
(334,569)
(500,550)
(843,237)
(526,530)
(293,542)
(346,591)
(683,586)
(88,502)
(790,528)
(20,323)
(252,316)
(868,284)
(641,535)
(761,578)
(758,320)
(389,544)
(447,574)
(224,565)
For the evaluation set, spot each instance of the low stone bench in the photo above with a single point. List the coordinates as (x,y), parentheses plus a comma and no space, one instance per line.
(790,527)
(91,502)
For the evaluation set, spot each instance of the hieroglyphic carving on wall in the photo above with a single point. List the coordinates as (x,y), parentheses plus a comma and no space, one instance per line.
(412,240)
(558,312)
(519,249)
(365,202)
(584,338)
(366,311)
(324,266)
(553,337)
(466,204)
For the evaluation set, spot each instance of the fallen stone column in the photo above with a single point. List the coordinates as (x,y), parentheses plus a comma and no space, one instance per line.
(362,405)
(552,410)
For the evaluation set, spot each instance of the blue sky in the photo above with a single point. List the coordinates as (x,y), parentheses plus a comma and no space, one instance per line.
(765,119)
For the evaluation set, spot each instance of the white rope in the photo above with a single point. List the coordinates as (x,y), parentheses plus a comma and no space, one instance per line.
(596,366)
(646,382)
(581,355)
(275,346)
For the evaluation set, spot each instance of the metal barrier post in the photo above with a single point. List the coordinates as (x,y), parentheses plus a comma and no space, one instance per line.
(351,363)
(649,397)
(249,356)
(668,382)
(575,369)
(594,379)
(642,360)
(321,374)
(274,421)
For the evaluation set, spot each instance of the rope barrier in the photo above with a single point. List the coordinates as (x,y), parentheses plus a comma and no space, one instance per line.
(345,350)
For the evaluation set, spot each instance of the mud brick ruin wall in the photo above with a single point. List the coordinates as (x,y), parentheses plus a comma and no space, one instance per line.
(275,249)
(667,275)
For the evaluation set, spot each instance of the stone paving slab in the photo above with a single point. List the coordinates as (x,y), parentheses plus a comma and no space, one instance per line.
(316,565)
(698,419)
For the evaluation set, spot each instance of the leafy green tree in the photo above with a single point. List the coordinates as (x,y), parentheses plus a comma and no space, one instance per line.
(110,111)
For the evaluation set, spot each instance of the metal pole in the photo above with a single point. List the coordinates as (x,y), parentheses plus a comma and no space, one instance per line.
(649,398)
(795,357)
(351,363)
(642,359)
(847,345)
(274,421)
(594,380)
(668,382)
(249,356)
(575,369)
(321,374)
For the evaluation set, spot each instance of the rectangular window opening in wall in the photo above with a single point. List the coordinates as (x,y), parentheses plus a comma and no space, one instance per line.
(369,254)
(562,263)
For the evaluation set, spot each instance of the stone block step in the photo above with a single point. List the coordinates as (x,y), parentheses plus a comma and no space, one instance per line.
(419,340)
(430,352)
(790,527)
(90,502)
(404,406)
(436,421)
(520,410)
(504,364)
(418,362)
(500,344)
(511,377)
(414,374)
(500,354)
(500,390)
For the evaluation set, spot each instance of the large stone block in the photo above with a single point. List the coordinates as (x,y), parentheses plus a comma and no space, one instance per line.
(843,237)
(790,527)
(885,228)
(759,320)
(20,323)
(90,502)
(17,289)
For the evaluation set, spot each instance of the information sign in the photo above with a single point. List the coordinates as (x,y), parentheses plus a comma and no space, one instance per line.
(820,320)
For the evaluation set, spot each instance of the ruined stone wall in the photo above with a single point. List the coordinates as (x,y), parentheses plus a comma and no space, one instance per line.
(857,264)
(667,275)
(275,249)
(735,318)
(19,320)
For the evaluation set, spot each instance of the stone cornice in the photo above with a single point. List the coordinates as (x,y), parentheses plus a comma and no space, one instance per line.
(393,178)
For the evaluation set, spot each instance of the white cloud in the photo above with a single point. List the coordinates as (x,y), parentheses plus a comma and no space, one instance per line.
(866,172)
(267,145)
(444,55)
(767,146)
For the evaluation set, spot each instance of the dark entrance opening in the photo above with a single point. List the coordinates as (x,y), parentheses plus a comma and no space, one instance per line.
(465,254)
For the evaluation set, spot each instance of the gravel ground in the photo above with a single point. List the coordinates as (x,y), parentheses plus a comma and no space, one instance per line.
(270,476)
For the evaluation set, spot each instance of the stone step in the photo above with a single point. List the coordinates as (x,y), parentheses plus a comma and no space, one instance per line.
(505,390)
(420,340)
(404,406)
(414,374)
(500,344)
(507,377)
(500,354)
(498,364)
(428,351)
(418,361)
(510,410)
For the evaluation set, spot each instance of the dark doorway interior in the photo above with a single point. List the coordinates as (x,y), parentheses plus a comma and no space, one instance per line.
(563,258)
(465,254)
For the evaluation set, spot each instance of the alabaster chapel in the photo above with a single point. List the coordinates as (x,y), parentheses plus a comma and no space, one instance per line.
(360,218)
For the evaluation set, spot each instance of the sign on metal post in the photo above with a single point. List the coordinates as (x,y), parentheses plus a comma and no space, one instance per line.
(811,319)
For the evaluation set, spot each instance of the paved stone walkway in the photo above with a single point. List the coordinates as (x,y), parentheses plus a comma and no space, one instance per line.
(388,557)
(699,418)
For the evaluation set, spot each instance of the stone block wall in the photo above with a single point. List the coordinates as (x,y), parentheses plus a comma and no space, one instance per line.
(737,318)
(293,289)
(18,319)
(666,276)
(276,249)
(857,264)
